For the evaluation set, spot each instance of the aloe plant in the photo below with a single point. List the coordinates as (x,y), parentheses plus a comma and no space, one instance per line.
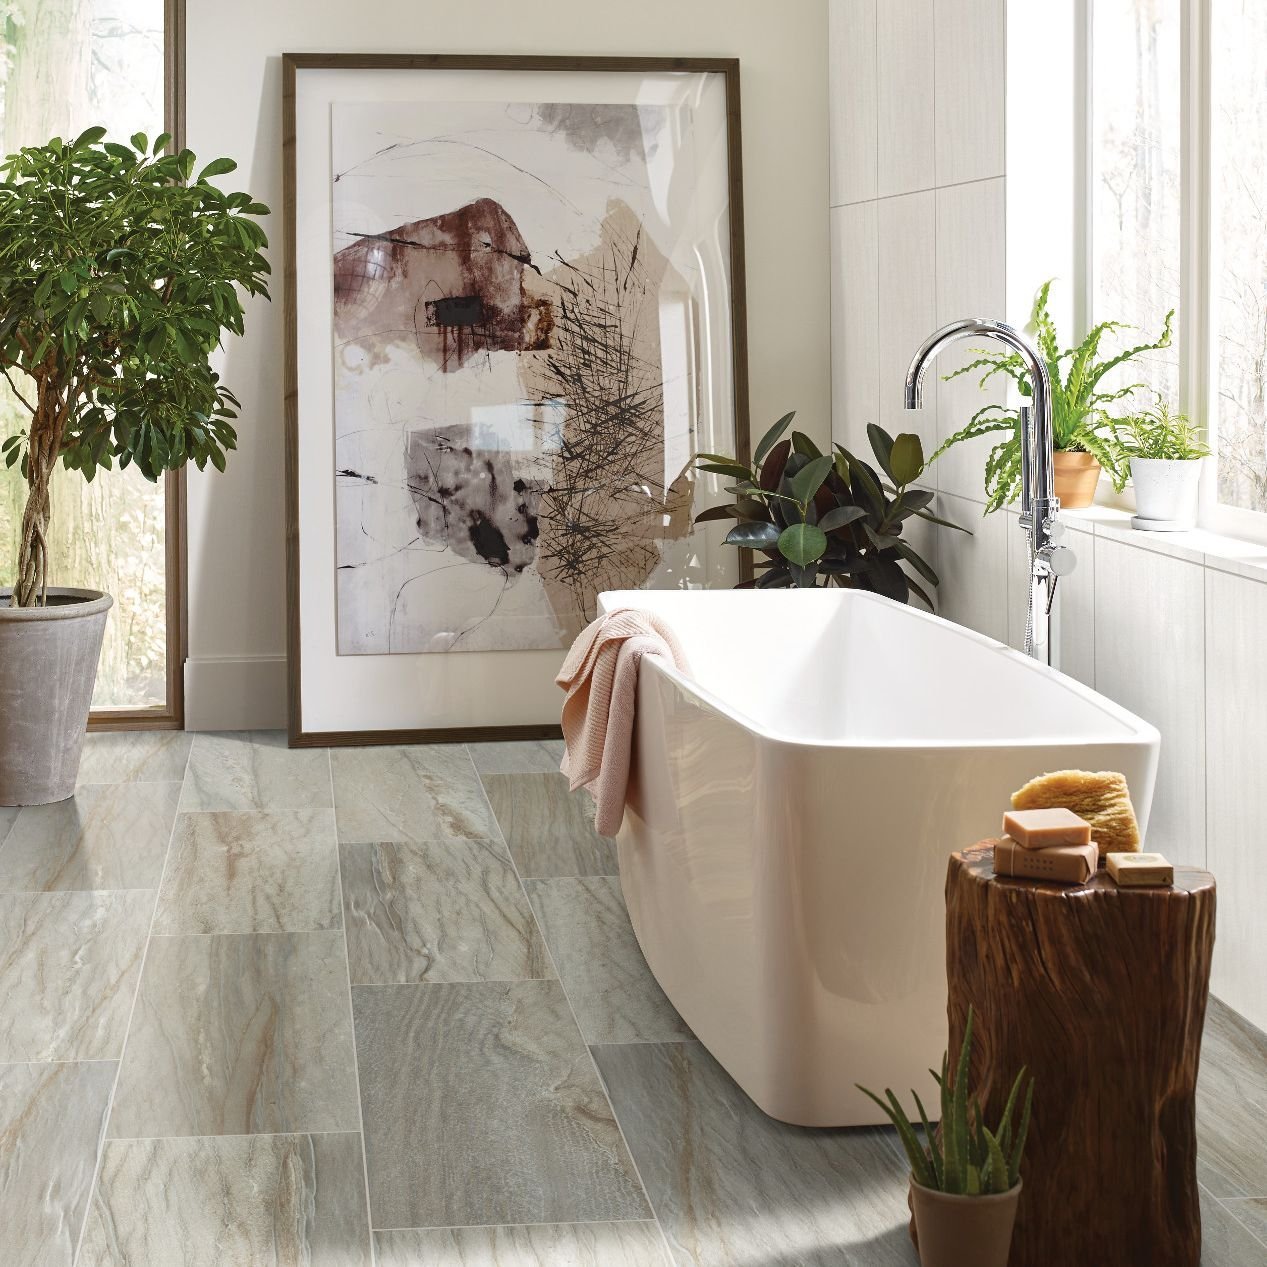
(964,1157)
(1081,422)
(816,519)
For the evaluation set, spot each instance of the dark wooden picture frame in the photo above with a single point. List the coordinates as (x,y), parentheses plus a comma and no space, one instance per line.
(292,64)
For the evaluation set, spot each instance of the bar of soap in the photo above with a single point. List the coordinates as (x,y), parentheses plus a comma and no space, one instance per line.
(1140,870)
(1043,828)
(1060,864)
(1102,799)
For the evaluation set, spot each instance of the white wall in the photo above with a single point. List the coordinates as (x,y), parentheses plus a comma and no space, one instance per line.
(236,672)
(937,214)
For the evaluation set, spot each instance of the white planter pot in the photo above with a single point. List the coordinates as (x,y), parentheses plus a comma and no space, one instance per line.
(1166,489)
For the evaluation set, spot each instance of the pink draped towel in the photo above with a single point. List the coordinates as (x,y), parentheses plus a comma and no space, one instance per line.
(600,677)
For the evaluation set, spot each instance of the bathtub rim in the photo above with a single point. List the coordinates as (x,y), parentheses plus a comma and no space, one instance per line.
(1137,729)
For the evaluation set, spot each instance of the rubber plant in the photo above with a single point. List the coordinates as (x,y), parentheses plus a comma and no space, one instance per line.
(1081,421)
(819,519)
(119,271)
(964,1157)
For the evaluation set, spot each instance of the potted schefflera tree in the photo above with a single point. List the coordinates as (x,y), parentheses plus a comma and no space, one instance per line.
(965,1177)
(119,270)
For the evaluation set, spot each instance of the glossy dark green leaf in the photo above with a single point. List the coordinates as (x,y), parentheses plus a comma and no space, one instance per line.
(906,459)
(887,578)
(753,536)
(771,437)
(717,512)
(839,516)
(732,469)
(881,446)
(802,543)
(807,481)
(803,444)
(918,562)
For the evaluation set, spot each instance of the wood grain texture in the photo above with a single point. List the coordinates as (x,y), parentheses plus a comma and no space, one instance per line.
(255,770)
(418,793)
(542,1245)
(239,1035)
(1232,1105)
(139,756)
(733,1188)
(68,969)
(106,836)
(268,872)
(441,911)
(482,1106)
(261,1201)
(1106,997)
(51,1120)
(608,983)
(550,831)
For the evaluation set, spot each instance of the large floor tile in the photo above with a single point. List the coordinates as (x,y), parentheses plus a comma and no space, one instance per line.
(1250,1213)
(68,968)
(732,1186)
(482,1107)
(263,1201)
(549,830)
(135,756)
(608,983)
(441,911)
(534,756)
(269,872)
(51,1120)
(422,793)
(255,770)
(106,836)
(8,816)
(542,1245)
(1226,1240)
(1232,1105)
(239,1035)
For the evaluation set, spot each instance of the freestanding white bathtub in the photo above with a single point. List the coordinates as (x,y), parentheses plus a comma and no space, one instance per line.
(792,806)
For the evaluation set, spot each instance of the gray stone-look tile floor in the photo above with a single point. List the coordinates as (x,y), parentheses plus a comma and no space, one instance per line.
(383,1005)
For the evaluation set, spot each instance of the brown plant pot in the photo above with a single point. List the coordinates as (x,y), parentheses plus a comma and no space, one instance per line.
(955,1231)
(1075,476)
(48,667)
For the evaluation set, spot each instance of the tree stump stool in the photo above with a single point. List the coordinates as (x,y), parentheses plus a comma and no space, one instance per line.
(1101,993)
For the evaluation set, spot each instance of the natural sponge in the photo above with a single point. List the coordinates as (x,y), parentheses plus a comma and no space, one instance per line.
(1103,799)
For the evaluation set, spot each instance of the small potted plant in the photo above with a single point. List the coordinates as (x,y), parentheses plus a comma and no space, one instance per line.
(119,270)
(965,1178)
(1165,451)
(1082,426)
(818,519)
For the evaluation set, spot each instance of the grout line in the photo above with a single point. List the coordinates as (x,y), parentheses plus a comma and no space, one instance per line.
(633,1161)
(910,193)
(356,1059)
(1228,1205)
(127,1033)
(479,1227)
(151,1139)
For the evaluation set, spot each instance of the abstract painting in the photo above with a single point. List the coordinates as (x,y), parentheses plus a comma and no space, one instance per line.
(524,360)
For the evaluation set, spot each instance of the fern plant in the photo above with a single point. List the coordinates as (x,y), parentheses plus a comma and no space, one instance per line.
(964,1156)
(1081,422)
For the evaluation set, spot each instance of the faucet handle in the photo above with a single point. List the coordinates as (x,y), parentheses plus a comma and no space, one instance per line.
(1056,531)
(1060,560)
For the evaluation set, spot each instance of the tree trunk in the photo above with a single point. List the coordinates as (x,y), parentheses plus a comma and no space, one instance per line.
(1100,992)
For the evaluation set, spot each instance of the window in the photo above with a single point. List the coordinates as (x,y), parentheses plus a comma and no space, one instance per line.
(64,66)
(1177,217)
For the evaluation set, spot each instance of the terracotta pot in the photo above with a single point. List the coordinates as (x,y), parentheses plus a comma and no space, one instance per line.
(1076,475)
(954,1231)
(48,666)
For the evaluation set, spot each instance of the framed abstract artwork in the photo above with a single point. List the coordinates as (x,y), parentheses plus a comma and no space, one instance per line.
(514,311)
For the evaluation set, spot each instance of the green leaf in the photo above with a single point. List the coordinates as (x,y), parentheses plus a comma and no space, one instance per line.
(217,167)
(733,469)
(771,438)
(906,459)
(917,562)
(801,443)
(161,141)
(881,446)
(753,536)
(809,479)
(839,516)
(90,136)
(802,544)
(712,513)
(140,142)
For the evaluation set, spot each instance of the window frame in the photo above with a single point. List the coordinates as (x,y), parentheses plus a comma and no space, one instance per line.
(1198,262)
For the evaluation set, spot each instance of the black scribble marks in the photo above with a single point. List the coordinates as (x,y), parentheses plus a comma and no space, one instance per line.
(604,496)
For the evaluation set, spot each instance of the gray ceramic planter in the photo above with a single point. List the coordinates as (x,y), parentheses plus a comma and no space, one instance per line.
(48,665)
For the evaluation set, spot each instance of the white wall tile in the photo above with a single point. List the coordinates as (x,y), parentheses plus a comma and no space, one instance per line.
(971,84)
(971,252)
(973,568)
(1150,658)
(904,96)
(1236,709)
(852,128)
(907,240)
(855,315)
(1073,613)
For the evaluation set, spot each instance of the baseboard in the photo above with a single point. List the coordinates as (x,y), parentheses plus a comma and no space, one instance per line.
(238,693)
